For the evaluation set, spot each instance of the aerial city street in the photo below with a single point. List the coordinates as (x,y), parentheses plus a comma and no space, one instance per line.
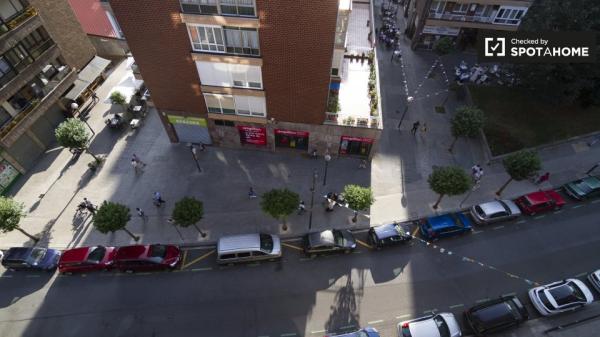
(262,168)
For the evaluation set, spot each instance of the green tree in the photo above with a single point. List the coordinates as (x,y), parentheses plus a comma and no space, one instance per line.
(448,180)
(116,97)
(111,217)
(280,203)
(466,122)
(73,134)
(443,46)
(187,212)
(519,166)
(11,213)
(562,82)
(359,198)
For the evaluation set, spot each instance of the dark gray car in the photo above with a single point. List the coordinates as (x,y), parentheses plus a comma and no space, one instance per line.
(331,240)
(31,258)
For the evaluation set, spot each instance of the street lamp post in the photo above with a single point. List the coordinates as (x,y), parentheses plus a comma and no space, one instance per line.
(327,159)
(409,99)
(74,109)
(593,168)
(312,198)
(195,156)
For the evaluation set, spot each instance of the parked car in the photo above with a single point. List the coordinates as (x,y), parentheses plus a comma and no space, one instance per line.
(389,235)
(364,332)
(248,247)
(496,315)
(435,325)
(147,257)
(594,279)
(583,188)
(31,258)
(561,296)
(540,201)
(494,211)
(445,225)
(328,241)
(85,259)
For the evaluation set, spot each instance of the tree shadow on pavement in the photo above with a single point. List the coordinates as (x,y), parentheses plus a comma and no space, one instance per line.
(345,312)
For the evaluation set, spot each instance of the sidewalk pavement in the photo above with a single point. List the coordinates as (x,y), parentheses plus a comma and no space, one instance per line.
(404,161)
(398,173)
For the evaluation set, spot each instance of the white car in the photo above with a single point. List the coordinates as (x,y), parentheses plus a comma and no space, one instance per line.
(437,325)
(594,279)
(561,296)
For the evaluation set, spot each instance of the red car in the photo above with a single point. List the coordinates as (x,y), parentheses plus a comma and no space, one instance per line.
(541,201)
(85,259)
(147,257)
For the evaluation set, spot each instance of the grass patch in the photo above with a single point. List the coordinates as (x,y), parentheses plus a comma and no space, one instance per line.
(440,109)
(518,118)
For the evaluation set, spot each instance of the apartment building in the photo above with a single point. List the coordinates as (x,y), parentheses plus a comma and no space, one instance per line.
(429,20)
(41,48)
(255,74)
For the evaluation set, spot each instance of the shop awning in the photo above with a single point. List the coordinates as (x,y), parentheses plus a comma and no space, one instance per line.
(86,76)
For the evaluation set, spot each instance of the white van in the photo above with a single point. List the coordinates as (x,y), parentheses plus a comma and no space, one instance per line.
(248,247)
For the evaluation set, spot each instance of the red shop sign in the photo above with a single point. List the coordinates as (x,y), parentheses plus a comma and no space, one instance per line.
(357,139)
(252,135)
(302,134)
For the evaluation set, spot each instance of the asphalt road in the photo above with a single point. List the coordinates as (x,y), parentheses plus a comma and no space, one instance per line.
(299,296)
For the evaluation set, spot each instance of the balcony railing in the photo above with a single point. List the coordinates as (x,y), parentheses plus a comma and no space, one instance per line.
(461,17)
(17,20)
(360,122)
(47,90)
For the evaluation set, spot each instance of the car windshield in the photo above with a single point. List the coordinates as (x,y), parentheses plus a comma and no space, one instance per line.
(36,255)
(506,208)
(266,242)
(97,254)
(479,211)
(584,187)
(526,201)
(399,229)
(338,238)
(567,294)
(158,251)
(457,220)
(442,326)
(545,300)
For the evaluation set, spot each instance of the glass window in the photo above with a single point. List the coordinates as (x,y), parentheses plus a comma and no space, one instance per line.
(9,8)
(206,38)
(7,73)
(266,242)
(242,106)
(509,16)
(241,41)
(18,57)
(237,7)
(199,6)
(4,116)
(212,103)
(442,326)
(228,105)
(97,254)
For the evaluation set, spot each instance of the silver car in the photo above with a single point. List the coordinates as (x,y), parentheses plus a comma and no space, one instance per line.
(562,296)
(436,325)
(492,211)
(594,279)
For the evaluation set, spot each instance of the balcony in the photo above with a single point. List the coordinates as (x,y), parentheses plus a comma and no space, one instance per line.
(461,17)
(32,110)
(242,8)
(17,19)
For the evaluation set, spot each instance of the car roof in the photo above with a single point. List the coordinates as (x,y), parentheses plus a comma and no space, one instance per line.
(494,313)
(76,254)
(446,220)
(237,242)
(539,197)
(492,207)
(321,238)
(387,230)
(18,253)
(131,252)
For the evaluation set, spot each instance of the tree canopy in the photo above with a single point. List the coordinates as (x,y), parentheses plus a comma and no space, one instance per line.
(279,203)
(521,165)
(467,122)
(111,217)
(11,213)
(187,212)
(72,134)
(359,198)
(449,180)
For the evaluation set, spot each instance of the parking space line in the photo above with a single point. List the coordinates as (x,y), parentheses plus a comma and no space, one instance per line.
(595,201)
(539,217)
(476,232)
(456,306)
(263,336)
(498,227)
(581,274)
(318,331)
(200,248)
(577,206)
(357,252)
(559,211)
(202,269)
(185,252)
(256,264)
(292,246)
(482,300)
(364,244)
(509,294)
(198,259)
(6,276)
(403,316)
(375,322)
(303,259)
(290,334)
(521,221)
(429,311)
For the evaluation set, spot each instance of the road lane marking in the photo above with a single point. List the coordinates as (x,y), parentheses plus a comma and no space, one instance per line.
(289,334)
(477,232)
(498,227)
(201,247)
(202,269)
(318,331)
(456,306)
(6,276)
(185,252)
(375,322)
(292,246)
(482,300)
(509,294)
(146,273)
(581,274)
(521,221)
(595,201)
(198,259)
(539,217)
(559,211)
(577,206)
(403,316)
(429,311)
(364,244)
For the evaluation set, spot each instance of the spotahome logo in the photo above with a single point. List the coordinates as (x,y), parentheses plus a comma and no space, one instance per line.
(537,47)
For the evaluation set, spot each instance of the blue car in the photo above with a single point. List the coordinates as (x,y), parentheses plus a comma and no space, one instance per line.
(31,258)
(445,225)
(364,332)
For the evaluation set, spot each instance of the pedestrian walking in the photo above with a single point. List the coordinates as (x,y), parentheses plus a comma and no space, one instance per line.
(141,214)
(202,147)
(397,54)
(251,193)
(544,177)
(476,172)
(95,97)
(363,164)
(89,206)
(135,165)
(415,127)
(424,128)
(138,160)
(301,207)
(158,200)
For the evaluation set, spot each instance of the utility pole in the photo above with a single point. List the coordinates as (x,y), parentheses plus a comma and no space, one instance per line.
(312,198)
(327,160)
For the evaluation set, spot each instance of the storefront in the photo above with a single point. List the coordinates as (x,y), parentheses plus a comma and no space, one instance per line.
(250,135)
(190,129)
(291,139)
(8,174)
(357,146)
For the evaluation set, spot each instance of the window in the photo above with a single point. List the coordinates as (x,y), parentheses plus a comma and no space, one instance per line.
(460,8)
(199,6)
(229,75)
(334,71)
(250,106)
(437,7)
(37,42)
(10,8)
(237,7)
(18,57)
(241,40)
(7,73)
(221,122)
(222,104)
(4,116)
(509,16)
(243,255)
(207,38)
